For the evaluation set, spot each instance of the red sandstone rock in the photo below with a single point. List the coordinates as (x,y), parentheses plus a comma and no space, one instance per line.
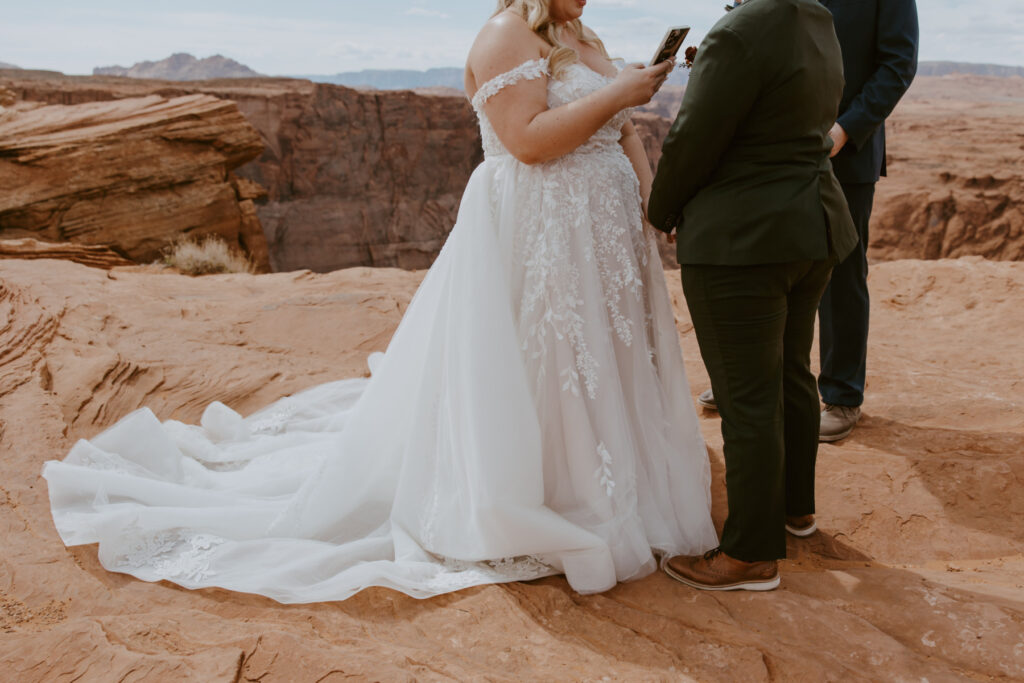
(353,177)
(131,174)
(956,184)
(95,255)
(918,572)
(956,172)
(374,178)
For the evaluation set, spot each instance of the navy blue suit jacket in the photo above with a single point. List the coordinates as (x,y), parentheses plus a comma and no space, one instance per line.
(879,40)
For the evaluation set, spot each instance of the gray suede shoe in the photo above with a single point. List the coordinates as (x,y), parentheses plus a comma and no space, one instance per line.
(837,422)
(707,400)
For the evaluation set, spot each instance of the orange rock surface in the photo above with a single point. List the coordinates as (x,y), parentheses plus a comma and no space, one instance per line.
(956,171)
(353,177)
(918,572)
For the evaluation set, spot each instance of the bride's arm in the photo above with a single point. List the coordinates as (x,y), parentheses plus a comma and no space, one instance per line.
(633,146)
(531,131)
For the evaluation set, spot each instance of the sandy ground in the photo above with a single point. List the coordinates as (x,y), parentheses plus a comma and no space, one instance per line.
(918,572)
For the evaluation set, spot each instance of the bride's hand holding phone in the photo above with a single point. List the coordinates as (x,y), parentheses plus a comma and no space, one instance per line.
(637,83)
(640,83)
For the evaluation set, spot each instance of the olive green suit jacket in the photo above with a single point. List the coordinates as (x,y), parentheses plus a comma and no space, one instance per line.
(744,175)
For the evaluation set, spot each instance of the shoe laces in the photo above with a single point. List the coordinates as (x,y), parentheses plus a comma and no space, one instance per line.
(713,553)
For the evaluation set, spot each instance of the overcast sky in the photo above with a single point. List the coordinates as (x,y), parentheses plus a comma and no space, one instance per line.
(330,36)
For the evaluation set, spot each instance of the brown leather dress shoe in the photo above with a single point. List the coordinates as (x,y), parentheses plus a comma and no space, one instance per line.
(801,526)
(716,571)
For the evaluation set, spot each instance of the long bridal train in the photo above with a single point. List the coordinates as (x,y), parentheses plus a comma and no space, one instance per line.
(531,416)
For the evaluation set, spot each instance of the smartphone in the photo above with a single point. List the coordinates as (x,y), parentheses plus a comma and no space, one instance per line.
(670,44)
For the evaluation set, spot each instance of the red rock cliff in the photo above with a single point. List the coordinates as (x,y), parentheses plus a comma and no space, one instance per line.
(131,174)
(354,178)
(374,178)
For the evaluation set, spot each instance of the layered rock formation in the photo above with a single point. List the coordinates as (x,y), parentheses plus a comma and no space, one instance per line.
(956,172)
(93,255)
(358,178)
(354,178)
(918,571)
(131,174)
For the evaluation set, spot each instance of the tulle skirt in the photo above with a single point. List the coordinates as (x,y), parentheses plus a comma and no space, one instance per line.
(531,416)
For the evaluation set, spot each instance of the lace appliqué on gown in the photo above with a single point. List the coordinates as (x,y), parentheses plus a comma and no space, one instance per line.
(458,574)
(535,68)
(176,554)
(532,407)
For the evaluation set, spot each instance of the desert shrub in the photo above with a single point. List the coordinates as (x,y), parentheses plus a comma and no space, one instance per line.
(205,256)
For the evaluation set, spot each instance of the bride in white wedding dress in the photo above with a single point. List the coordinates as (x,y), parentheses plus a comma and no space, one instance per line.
(530,417)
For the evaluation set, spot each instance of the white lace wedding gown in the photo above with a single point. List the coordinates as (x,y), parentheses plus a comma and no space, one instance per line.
(531,416)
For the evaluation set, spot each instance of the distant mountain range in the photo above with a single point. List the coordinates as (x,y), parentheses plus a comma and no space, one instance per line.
(947,68)
(448,77)
(382,79)
(185,67)
(181,67)
(5,65)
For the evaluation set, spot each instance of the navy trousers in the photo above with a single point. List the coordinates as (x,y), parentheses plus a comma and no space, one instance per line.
(844,312)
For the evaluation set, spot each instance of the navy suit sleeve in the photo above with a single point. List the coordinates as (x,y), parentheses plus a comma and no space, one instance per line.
(896,63)
(722,88)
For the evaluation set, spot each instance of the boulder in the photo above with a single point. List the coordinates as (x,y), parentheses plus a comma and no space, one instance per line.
(131,174)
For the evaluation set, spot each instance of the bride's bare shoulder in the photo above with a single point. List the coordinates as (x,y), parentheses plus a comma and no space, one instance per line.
(503,43)
(506,27)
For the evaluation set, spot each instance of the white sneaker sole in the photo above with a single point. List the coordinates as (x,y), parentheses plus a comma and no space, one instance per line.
(802,533)
(767,585)
(710,405)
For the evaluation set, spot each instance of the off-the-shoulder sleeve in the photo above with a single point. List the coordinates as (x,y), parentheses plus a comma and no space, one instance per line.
(535,68)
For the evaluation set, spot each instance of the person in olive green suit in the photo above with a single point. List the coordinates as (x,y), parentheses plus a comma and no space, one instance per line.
(760,219)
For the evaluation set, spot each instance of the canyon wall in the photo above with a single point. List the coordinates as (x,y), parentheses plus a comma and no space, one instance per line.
(352,178)
(956,172)
(375,178)
(131,174)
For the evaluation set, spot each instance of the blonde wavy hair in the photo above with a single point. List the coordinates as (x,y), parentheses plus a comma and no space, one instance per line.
(537,15)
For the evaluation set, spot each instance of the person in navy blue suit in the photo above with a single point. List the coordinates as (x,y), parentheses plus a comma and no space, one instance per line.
(879,41)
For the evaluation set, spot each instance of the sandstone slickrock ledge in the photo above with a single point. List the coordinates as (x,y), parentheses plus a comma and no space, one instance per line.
(353,177)
(130,174)
(918,573)
(93,255)
(375,178)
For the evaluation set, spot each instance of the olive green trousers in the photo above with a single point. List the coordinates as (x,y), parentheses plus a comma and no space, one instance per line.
(755,327)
